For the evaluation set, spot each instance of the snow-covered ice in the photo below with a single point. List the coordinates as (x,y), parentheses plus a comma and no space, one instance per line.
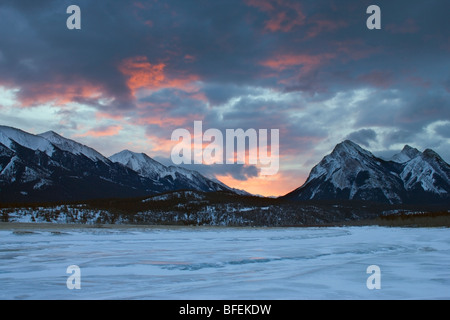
(224,263)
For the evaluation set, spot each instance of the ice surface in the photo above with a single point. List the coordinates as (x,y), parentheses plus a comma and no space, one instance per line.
(224,263)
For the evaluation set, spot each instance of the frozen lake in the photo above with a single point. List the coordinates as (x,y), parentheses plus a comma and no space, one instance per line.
(224,263)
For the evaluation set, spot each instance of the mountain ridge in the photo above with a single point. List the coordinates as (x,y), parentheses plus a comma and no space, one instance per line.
(350,172)
(49,167)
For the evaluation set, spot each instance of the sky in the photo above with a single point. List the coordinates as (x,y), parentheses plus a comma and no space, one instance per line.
(138,70)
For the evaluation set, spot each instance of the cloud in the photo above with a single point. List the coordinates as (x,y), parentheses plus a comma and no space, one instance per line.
(363,136)
(138,70)
(408,26)
(284,15)
(141,74)
(102,132)
(308,62)
(443,130)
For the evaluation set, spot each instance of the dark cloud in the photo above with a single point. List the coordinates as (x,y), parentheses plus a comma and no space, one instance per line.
(237,171)
(399,137)
(410,109)
(225,42)
(285,64)
(363,136)
(443,130)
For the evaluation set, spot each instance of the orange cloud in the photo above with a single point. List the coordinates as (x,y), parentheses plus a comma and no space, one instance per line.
(102,132)
(277,185)
(160,145)
(142,74)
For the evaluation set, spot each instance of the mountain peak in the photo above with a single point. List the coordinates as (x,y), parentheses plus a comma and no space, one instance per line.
(433,155)
(71,146)
(8,135)
(139,162)
(129,154)
(352,173)
(413,152)
(406,154)
(67,174)
(350,148)
(430,152)
(49,134)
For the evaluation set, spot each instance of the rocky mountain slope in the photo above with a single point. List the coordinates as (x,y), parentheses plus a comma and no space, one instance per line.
(350,172)
(49,167)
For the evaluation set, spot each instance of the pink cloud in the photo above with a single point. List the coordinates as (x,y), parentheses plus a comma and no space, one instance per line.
(105,115)
(58,93)
(322,25)
(307,62)
(284,15)
(102,132)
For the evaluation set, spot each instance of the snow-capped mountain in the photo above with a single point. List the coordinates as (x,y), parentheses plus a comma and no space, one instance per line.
(425,171)
(10,136)
(72,146)
(49,167)
(141,163)
(177,177)
(350,172)
(405,155)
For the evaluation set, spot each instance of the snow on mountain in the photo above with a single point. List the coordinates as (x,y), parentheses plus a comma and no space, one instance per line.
(9,136)
(149,168)
(347,157)
(237,191)
(49,167)
(141,163)
(72,146)
(428,171)
(406,154)
(351,168)
(353,173)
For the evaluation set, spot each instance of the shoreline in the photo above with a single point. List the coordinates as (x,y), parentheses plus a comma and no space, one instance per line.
(400,223)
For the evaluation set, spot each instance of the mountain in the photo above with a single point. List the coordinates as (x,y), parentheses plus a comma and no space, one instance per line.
(405,155)
(49,167)
(141,163)
(72,146)
(9,137)
(176,177)
(426,174)
(350,172)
